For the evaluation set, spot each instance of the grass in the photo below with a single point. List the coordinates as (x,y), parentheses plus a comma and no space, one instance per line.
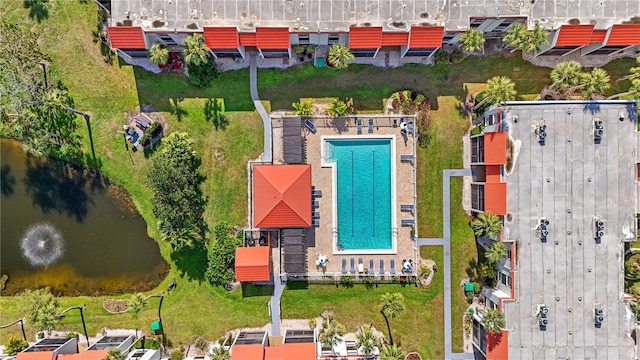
(108,91)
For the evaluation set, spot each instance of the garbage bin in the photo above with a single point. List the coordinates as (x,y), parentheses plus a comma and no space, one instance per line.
(156,327)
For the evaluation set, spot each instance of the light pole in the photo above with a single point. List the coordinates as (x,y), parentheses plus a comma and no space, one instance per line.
(126,144)
(84,326)
(21,321)
(161,296)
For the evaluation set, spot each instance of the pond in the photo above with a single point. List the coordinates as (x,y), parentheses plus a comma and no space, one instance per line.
(71,230)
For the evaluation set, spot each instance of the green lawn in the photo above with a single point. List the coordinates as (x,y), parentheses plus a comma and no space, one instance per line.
(197,309)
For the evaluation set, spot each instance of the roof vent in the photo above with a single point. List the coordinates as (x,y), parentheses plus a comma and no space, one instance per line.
(598,317)
(543,229)
(541,131)
(598,130)
(541,314)
(599,230)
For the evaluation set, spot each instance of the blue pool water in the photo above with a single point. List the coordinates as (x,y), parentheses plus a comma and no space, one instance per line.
(363,168)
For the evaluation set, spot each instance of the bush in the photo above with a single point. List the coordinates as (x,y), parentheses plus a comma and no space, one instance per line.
(477,130)
(298,49)
(442,57)
(425,271)
(457,56)
(221,255)
(337,108)
(346,281)
(177,354)
(202,75)
(304,107)
(155,129)
(14,345)
(479,97)
(201,344)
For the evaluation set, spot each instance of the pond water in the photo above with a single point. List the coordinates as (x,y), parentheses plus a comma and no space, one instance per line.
(70,230)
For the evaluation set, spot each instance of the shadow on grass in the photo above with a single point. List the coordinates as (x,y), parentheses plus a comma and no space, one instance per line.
(249,290)
(214,112)
(152,150)
(297,285)
(191,261)
(38,9)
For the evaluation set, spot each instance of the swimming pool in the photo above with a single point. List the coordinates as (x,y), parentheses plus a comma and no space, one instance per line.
(363,192)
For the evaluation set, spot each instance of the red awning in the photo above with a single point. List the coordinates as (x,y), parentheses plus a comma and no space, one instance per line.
(495,148)
(247,39)
(574,35)
(598,36)
(365,37)
(282,196)
(624,35)
(247,352)
(272,38)
(126,37)
(395,38)
(495,198)
(221,37)
(426,37)
(498,346)
(252,263)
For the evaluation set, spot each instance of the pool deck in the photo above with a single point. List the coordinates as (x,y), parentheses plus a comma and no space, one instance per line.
(322,179)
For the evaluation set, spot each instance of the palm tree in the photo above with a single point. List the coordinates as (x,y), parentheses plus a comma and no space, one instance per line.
(304,107)
(137,303)
(496,252)
(535,38)
(337,108)
(566,74)
(487,224)
(595,82)
(367,341)
(331,332)
(472,40)
(219,353)
(340,56)
(499,88)
(493,321)
(392,352)
(634,72)
(115,354)
(196,52)
(515,36)
(634,90)
(158,54)
(391,305)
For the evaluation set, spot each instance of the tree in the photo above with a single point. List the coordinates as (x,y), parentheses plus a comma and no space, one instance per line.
(634,72)
(534,39)
(337,108)
(115,354)
(203,74)
(472,40)
(340,56)
(304,107)
(391,305)
(137,303)
(221,256)
(566,74)
(486,224)
(41,308)
(331,332)
(595,82)
(516,35)
(499,88)
(219,353)
(496,252)
(158,54)
(367,341)
(14,345)
(634,91)
(392,352)
(493,321)
(196,52)
(177,200)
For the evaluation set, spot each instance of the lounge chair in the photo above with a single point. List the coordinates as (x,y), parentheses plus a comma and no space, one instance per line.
(408,222)
(360,266)
(316,192)
(359,126)
(392,266)
(407,157)
(315,214)
(381,267)
(370,130)
(315,222)
(407,207)
(353,265)
(344,266)
(372,270)
(310,126)
(315,203)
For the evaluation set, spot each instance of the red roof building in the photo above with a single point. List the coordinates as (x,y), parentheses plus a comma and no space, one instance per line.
(495,198)
(574,35)
(624,35)
(289,351)
(247,352)
(282,196)
(85,355)
(495,148)
(36,355)
(272,38)
(498,346)
(365,41)
(126,37)
(247,39)
(221,37)
(395,38)
(253,264)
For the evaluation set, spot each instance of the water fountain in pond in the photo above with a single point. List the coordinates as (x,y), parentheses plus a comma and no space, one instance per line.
(42,244)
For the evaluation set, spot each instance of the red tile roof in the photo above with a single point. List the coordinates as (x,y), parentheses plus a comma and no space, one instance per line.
(395,38)
(247,39)
(299,351)
(624,35)
(493,173)
(35,355)
(495,148)
(498,346)
(85,355)
(598,36)
(252,263)
(221,37)
(126,37)
(495,198)
(282,196)
(365,37)
(272,38)
(574,35)
(426,36)
(247,352)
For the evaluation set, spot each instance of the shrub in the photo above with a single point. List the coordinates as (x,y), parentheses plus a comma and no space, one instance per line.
(304,107)
(478,99)
(346,281)
(14,345)
(477,130)
(298,49)
(201,344)
(177,354)
(221,256)
(155,129)
(442,57)
(311,48)
(457,56)
(425,271)
(337,108)
(203,74)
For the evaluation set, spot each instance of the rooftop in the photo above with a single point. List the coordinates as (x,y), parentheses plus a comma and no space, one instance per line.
(333,15)
(571,180)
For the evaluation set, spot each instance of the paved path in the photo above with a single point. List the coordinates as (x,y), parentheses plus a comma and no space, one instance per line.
(274,303)
(429,241)
(253,87)
(446,220)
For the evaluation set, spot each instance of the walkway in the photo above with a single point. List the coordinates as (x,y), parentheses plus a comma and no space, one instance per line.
(446,242)
(274,303)
(253,87)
